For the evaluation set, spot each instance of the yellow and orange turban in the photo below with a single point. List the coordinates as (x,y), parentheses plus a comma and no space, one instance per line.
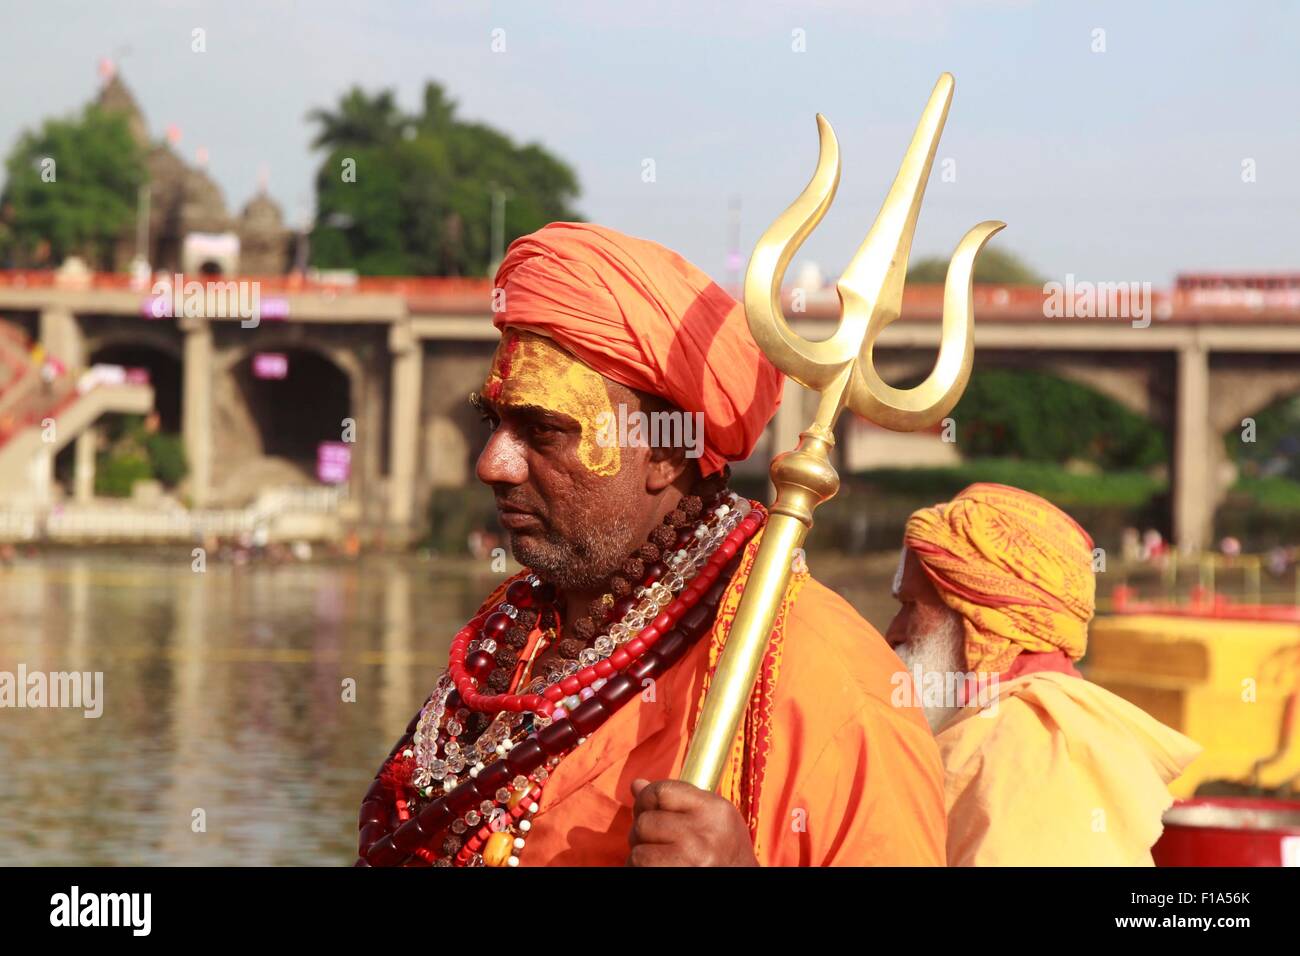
(1014,566)
(643,316)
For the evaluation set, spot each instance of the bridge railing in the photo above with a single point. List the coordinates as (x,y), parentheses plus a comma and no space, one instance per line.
(109,521)
(450,294)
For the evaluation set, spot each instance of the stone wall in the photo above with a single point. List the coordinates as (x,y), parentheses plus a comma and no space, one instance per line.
(451,434)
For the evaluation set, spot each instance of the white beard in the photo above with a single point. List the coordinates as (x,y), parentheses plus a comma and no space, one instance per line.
(942,651)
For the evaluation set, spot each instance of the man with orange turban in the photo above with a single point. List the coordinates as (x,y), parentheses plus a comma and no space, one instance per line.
(624,382)
(1042,767)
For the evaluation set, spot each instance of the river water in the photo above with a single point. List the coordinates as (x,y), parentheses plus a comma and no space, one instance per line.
(225,737)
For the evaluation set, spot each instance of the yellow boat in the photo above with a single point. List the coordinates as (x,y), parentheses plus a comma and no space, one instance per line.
(1225,674)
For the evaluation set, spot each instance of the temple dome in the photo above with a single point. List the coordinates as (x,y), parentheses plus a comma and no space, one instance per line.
(116,98)
(262,214)
(203,209)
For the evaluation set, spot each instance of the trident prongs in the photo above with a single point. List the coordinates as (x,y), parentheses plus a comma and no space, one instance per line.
(842,368)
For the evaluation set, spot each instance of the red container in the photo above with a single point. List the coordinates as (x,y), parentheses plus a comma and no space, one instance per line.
(1230,831)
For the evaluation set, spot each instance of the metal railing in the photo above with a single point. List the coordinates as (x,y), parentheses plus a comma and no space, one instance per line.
(1202,592)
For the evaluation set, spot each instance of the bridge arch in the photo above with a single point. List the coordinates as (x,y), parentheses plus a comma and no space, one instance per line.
(1136,385)
(308,405)
(162,362)
(332,374)
(165,340)
(1244,391)
(1116,385)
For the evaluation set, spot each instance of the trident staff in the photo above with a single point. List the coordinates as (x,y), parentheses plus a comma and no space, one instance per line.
(842,371)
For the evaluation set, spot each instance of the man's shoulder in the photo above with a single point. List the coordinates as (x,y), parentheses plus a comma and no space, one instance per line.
(1096,798)
(1034,727)
(1010,725)
(832,652)
(1095,724)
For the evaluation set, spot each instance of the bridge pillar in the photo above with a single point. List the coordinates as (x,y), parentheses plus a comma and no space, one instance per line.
(41,480)
(84,479)
(404,427)
(788,422)
(1193,497)
(61,336)
(196,408)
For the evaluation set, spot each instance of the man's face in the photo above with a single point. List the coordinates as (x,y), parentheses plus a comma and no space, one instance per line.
(574,507)
(926,632)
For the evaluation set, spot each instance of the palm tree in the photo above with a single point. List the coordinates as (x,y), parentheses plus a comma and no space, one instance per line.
(359,120)
(439,111)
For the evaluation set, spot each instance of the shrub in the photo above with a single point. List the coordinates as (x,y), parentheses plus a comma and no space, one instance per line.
(167,457)
(116,473)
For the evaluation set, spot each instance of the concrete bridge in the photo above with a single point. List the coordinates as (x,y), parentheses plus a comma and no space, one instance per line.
(385,364)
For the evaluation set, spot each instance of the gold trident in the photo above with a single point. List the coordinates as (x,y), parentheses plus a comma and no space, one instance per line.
(842,370)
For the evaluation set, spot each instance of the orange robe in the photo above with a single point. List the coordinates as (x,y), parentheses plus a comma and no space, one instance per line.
(851,780)
(1057,772)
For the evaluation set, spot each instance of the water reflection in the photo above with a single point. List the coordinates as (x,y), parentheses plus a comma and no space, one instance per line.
(223,693)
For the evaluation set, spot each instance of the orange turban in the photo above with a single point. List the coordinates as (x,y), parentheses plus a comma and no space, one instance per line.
(643,316)
(1014,566)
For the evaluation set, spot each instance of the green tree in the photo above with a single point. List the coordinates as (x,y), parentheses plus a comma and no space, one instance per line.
(421,199)
(135,453)
(1267,444)
(1035,416)
(116,474)
(71,189)
(359,120)
(993,266)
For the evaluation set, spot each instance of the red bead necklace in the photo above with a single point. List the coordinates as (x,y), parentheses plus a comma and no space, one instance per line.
(469,670)
(616,679)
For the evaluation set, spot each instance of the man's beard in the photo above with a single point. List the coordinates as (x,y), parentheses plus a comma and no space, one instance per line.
(942,651)
(582,562)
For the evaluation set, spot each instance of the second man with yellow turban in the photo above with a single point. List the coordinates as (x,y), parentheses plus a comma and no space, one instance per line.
(1041,767)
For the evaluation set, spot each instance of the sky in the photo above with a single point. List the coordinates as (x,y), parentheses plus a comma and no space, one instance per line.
(1119,141)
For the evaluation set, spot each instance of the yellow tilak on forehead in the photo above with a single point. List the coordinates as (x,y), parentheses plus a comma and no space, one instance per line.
(530,369)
